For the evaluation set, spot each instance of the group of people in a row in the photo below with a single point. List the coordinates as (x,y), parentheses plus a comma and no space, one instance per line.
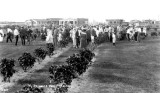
(81,36)
(112,33)
(24,33)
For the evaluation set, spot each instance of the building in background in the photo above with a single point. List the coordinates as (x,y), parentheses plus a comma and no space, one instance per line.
(75,22)
(53,21)
(82,21)
(114,22)
(68,21)
(2,24)
(36,22)
(134,22)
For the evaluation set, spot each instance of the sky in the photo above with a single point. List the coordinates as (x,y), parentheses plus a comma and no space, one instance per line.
(95,10)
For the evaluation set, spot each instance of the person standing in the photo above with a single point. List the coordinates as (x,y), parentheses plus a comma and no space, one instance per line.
(145,31)
(128,33)
(73,36)
(114,38)
(23,33)
(111,29)
(9,35)
(83,38)
(93,35)
(49,38)
(1,35)
(106,30)
(77,38)
(137,34)
(16,34)
(60,36)
(29,34)
(119,29)
(55,36)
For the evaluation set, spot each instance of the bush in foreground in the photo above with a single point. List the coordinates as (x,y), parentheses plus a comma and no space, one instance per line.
(7,68)
(31,89)
(26,61)
(50,48)
(40,53)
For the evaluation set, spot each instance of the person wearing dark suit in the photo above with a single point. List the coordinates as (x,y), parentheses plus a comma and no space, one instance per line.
(9,35)
(23,35)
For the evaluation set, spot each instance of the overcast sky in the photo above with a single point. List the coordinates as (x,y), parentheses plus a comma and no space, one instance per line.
(99,10)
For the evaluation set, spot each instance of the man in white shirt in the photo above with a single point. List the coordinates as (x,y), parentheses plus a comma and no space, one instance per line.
(145,31)
(137,34)
(16,34)
(1,35)
(9,35)
(129,32)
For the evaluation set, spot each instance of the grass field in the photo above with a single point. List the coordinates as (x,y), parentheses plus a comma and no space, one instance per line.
(9,50)
(129,67)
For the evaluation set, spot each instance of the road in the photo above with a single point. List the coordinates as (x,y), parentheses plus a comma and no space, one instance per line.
(130,67)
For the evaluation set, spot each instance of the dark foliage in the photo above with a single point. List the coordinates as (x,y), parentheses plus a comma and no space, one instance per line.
(7,68)
(50,48)
(62,74)
(102,38)
(26,61)
(31,89)
(40,53)
(154,34)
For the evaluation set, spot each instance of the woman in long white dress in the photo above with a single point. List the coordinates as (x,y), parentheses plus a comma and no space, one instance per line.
(49,38)
(1,35)
(73,35)
(59,36)
(114,38)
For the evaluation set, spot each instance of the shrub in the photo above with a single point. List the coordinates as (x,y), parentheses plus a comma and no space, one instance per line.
(102,38)
(40,53)
(26,61)
(63,43)
(62,74)
(43,37)
(50,49)
(153,34)
(7,68)
(31,89)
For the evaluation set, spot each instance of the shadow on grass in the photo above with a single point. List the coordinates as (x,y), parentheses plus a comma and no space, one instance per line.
(107,65)
(31,81)
(63,56)
(147,85)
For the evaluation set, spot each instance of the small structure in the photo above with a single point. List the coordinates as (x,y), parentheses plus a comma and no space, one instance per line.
(54,21)
(82,21)
(114,22)
(74,22)
(36,22)
(68,22)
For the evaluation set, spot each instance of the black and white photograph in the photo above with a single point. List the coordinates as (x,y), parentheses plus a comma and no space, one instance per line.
(80,46)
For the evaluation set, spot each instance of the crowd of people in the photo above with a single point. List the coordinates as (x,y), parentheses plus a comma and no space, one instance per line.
(81,35)
(9,34)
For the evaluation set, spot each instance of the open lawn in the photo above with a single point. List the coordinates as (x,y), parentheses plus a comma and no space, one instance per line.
(130,67)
